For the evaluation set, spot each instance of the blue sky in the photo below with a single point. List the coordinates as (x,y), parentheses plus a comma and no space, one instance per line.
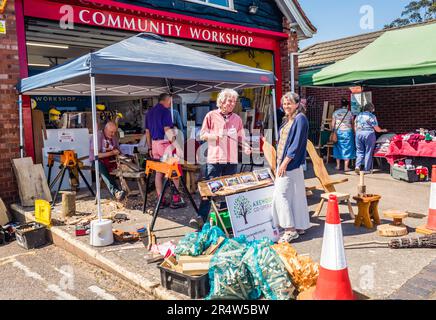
(336,19)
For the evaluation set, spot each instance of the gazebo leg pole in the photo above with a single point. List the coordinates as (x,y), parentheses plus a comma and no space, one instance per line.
(95,143)
(20,111)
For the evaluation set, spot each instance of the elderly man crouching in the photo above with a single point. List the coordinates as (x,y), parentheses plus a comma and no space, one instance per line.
(108,149)
(223,130)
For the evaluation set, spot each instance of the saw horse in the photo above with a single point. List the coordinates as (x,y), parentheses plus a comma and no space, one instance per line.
(172,170)
(70,162)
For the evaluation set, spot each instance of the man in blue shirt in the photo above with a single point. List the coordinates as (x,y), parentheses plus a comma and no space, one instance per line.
(160,137)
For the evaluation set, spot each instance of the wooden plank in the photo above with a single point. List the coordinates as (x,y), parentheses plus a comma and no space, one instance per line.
(197,259)
(39,133)
(22,168)
(213,248)
(195,265)
(40,181)
(4,214)
(424,230)
(31,180)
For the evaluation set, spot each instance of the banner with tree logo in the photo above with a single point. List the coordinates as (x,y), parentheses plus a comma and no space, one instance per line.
(251,214)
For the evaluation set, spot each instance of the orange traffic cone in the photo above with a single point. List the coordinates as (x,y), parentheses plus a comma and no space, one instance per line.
(333,280)
(430,227)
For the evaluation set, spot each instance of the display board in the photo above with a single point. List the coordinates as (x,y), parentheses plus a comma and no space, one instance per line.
(357,103)
(251,214)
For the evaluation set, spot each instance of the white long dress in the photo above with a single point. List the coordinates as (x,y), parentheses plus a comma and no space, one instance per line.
(290,208)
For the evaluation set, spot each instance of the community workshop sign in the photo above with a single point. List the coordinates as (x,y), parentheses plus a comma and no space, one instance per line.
(251,214)
(69,14)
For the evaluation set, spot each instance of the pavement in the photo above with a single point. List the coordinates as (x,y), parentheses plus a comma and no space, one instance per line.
(376,271)
(51,273)
(420,287)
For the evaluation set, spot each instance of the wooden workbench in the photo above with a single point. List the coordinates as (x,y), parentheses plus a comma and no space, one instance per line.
(131,138)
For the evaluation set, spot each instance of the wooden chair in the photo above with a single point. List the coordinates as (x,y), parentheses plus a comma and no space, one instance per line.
(326,183)
(270,154)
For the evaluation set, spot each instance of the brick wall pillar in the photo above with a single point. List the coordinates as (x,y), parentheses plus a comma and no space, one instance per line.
(9,121)
(286,47)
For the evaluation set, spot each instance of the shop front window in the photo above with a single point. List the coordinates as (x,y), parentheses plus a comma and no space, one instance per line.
(222,4)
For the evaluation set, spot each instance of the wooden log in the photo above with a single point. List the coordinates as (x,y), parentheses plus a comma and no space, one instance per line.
(390,230)
(68,204)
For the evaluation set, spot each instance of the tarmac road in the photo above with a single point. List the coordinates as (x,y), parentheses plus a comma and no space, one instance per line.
(50,273)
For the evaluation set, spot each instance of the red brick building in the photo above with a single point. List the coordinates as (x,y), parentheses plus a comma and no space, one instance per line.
(9,132)
(399,109)
(36,35)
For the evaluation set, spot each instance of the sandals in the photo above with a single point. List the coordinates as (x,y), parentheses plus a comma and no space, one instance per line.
(288,237)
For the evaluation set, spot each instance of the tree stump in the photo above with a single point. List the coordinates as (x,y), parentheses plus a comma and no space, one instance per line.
(397,228)
(68,204)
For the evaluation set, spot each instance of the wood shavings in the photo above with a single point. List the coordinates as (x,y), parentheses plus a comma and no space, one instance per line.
(304,272)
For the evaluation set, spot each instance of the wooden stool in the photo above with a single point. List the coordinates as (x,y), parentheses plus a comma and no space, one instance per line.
(340,196)
(395,229)
(368,210)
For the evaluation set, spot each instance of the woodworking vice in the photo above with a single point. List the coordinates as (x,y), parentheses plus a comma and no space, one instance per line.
(172,170)
(68,161)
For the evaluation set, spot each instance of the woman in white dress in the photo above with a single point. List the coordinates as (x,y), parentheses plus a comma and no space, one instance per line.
(290,210)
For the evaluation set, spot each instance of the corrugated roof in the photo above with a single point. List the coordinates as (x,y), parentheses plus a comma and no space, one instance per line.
(329,52)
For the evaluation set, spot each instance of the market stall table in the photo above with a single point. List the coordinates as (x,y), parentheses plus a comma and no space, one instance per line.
(401,149)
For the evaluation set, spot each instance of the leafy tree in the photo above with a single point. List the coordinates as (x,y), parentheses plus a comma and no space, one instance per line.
(415,12)
(242,208)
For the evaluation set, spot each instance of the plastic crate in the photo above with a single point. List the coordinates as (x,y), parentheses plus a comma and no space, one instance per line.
(400,173)
(225,216)
(195,287)
(33,238)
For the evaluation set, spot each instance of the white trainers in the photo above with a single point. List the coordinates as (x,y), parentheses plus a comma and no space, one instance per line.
(289,236)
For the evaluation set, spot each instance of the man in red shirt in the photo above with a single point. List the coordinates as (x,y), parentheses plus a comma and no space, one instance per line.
(108,149)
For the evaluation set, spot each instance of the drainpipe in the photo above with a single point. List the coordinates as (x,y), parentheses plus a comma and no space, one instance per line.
(292,59)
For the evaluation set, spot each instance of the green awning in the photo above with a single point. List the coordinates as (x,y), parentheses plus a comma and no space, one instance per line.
(305,78)
(399,57)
